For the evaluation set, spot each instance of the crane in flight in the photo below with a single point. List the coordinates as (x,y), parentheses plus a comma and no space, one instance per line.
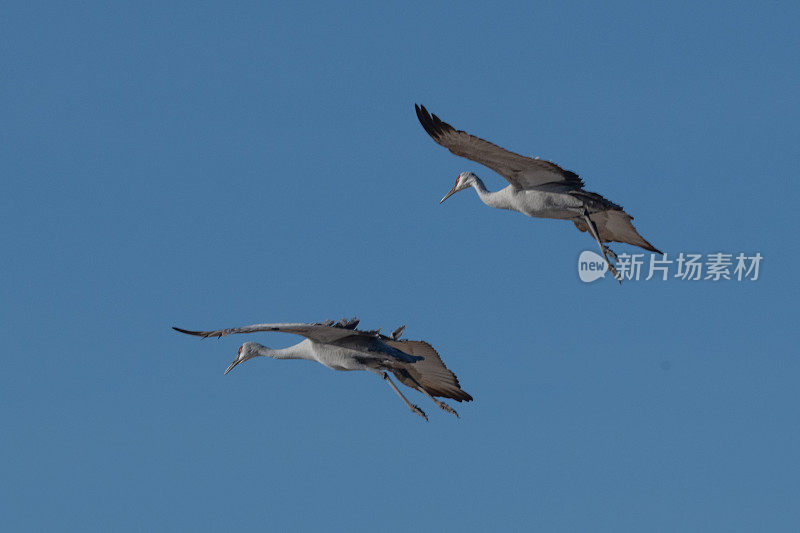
(537,188)
(341,346)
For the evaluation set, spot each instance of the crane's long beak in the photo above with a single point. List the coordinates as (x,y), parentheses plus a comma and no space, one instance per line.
(451,193)
(230,367)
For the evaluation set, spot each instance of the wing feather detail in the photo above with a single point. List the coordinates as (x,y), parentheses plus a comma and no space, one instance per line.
(614,225)
(520,171)
(325,332)
(430,373)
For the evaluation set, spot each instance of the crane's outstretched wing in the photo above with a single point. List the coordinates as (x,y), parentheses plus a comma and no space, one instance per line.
(614,225)
(326,332)
(430,372)
(520,171)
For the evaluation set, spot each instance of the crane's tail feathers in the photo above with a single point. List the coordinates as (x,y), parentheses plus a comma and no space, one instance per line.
(615,226)
(457,395)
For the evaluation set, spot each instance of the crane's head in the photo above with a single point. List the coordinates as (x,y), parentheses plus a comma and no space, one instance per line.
(247,351)
(463,181)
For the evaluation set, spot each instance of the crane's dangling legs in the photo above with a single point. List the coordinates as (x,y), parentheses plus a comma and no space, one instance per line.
(441,404)
(603,248)
(410,405)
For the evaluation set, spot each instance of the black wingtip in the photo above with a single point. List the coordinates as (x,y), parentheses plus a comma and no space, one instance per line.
(422,114)
(430,123)
(188,332)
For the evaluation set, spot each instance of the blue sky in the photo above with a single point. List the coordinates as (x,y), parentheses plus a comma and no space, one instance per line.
(209,165)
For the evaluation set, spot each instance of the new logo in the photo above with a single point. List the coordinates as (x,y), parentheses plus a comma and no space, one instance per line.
(591,266)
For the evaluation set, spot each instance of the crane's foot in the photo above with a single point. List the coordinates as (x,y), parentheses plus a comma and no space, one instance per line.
(446,407)
(614,272)
(420,412)
(610,253)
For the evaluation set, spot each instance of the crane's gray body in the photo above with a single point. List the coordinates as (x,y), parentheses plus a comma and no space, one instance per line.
(532,202)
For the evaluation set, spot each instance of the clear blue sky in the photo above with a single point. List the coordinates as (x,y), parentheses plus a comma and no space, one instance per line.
(209,165)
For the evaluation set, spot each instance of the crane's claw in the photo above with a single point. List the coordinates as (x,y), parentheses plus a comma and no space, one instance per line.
(419,411)
(447,408)
(614,273)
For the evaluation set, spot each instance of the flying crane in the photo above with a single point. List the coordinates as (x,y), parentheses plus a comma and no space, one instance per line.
(341,346)
(537,188)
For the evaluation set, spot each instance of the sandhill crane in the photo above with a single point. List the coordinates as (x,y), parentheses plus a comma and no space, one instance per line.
(537,188)
(341,346)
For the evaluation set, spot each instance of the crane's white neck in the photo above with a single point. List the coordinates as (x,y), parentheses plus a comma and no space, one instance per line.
(302,350)
(490,198)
